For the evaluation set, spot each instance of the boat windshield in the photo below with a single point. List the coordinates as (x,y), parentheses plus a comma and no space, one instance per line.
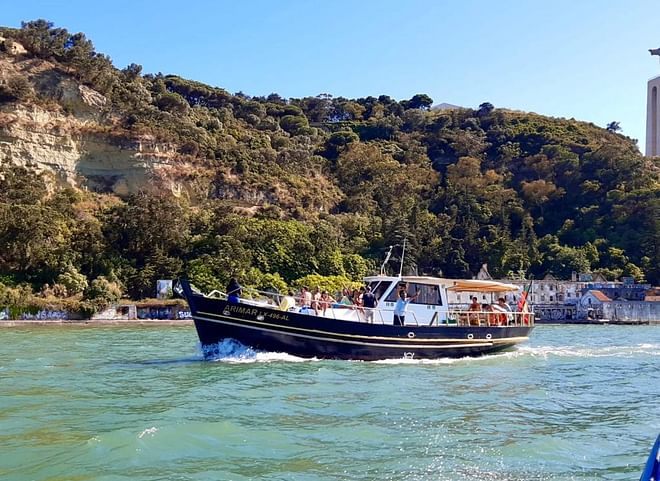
(427,294)
(379,288)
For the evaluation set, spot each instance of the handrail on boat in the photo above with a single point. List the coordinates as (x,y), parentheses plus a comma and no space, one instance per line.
(453,318)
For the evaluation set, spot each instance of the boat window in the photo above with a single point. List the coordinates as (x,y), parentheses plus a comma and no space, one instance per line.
(379,288)
(393,296)
(428,294)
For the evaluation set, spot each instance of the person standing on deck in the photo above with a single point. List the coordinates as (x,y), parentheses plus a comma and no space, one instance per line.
(369,304)
(401,307)
(234,291)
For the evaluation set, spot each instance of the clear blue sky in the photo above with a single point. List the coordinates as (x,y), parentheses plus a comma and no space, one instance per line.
(585,59)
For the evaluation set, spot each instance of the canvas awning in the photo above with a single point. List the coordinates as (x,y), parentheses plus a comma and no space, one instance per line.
(474,285)
(456,285)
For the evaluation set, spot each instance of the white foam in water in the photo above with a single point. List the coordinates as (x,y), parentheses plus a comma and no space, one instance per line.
(588,351)
(151,430)
(230,350)
(444,360)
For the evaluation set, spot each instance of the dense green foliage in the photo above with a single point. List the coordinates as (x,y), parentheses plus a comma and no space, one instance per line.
(329,183)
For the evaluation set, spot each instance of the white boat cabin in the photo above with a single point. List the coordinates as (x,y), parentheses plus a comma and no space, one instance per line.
(429,304)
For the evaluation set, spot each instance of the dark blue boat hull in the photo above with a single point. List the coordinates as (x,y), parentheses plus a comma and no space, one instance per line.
(303,335)
(652,469)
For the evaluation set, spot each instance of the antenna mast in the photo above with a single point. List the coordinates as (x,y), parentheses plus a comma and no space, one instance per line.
(387,258)
(403,255)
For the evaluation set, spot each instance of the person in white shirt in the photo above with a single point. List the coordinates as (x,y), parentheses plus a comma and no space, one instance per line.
(401,307)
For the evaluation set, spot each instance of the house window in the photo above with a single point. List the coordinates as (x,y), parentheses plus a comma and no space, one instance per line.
(542,297)
(551,299)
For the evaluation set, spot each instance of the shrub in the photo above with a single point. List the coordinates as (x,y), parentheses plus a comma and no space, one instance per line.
(15,88)
(102,289)
(73,281)
(332,284)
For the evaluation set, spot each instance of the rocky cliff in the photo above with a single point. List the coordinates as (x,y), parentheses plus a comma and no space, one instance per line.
(63,128)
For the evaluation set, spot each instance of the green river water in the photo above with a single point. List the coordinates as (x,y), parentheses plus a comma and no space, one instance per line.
(133,403)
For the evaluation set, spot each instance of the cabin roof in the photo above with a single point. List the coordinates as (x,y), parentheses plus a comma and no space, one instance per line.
(456,285)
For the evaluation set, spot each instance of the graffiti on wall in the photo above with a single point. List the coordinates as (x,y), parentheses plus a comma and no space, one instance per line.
(44,315)
(161,312)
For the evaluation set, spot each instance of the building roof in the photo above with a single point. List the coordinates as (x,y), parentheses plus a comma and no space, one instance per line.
(600,296)
(598,277)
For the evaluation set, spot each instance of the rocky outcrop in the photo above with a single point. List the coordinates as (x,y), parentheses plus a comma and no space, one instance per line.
(74,138)
(79,152)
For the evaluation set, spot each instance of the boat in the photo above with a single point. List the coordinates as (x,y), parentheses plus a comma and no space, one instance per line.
(431,329)
(652,469)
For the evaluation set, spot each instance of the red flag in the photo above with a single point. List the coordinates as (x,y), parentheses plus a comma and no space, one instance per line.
(523,305)
(522,302)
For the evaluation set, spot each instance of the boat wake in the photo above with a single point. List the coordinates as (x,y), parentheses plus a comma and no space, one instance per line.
(230,350)
(645,349)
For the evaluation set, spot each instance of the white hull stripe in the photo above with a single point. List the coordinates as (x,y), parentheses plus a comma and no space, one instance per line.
(373,344)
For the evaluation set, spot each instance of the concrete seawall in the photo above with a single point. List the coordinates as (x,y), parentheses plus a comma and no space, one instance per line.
(97,322)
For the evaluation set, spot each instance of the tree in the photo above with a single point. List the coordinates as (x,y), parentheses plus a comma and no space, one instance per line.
(485,109)
(173,103)
(294,124)
(418,101)
(43,40)
(614,127)
(338,141)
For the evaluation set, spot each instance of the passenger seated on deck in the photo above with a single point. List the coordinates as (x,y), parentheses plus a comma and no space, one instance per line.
(346,299)
(316,300)
(234,291)
(326,301)
(288,302)
(305,297)
(490,317)
(358,297)
(504,311)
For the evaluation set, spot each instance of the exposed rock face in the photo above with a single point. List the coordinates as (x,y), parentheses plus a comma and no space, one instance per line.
(76,154)
(76,146)
(12,47)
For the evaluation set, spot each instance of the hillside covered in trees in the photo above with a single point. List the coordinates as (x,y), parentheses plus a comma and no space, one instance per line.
(273,190)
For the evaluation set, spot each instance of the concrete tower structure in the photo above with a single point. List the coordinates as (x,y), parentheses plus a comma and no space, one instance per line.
(653,117)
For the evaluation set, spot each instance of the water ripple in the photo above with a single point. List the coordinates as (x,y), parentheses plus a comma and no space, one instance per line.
(575,403)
